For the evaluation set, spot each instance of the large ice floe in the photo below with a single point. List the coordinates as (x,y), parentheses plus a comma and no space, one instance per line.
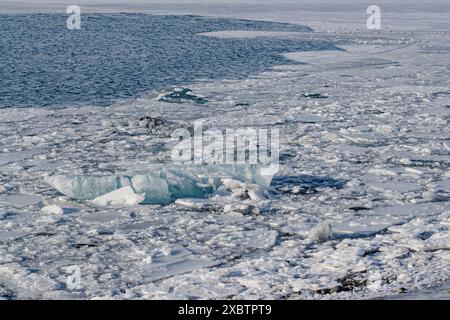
(159,184)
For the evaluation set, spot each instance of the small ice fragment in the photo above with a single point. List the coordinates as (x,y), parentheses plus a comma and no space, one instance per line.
(173,261)
(197,204)
(133,123)
(181,95)
(374,281)
(52,209)
(382,172)
(245,209)
(315,95)
(414,172)
(321,232)
(257,194)
(121,197)
(166,251)
(256,239)
(320,285)
(253,191)
(106,123)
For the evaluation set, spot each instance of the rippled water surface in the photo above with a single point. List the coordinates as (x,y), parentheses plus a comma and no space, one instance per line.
(116,56)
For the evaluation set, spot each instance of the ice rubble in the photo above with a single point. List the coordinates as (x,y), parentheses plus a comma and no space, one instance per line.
(122,196)
(159,184)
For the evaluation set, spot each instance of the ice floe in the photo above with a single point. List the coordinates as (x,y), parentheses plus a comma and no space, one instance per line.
(161,184)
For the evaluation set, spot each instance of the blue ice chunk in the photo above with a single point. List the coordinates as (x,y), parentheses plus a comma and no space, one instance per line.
(161,184)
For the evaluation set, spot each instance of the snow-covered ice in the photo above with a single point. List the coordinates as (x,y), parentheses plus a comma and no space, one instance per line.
(52,209)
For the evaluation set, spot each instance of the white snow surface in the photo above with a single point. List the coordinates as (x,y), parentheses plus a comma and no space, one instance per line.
(359,209)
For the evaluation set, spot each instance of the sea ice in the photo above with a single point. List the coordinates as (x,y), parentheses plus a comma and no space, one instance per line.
(120,197)
(321,232)
(6,158)
(169,261)
(371,160)
(161,184)
(52,209)
(6,236)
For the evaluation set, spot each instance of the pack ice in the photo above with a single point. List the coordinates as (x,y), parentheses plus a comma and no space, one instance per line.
(159,184)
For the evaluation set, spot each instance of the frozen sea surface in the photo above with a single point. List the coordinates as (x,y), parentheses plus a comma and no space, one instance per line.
(117,56)
(359,209)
